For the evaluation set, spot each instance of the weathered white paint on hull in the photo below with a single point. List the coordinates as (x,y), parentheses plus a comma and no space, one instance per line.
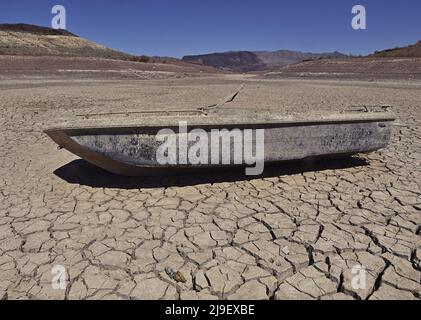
(130,149)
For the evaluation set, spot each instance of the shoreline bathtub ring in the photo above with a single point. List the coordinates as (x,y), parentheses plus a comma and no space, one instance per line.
(126,144)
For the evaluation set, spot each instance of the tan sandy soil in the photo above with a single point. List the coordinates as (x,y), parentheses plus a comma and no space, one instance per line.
(295,233)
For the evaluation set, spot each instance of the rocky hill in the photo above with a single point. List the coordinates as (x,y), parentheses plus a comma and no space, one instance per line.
(398,63)
(410,51)
(244,61)
(365,68)
(285,57)
(41,52)
(24,39)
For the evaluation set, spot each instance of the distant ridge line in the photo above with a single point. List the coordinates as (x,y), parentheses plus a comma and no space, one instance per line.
(40,30)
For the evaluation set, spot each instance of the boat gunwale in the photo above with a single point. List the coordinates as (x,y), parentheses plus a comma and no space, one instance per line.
(258,123)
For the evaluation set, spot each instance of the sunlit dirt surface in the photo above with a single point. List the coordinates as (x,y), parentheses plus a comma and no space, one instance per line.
(299,232)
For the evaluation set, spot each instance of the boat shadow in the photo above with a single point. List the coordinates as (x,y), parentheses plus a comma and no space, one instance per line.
(83,173)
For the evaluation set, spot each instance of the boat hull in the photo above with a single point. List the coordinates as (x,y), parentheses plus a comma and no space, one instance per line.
(131,150)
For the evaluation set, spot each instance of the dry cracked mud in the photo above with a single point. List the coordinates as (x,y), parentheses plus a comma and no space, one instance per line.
(298,232)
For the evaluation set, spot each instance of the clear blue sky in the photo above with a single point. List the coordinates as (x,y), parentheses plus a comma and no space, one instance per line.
(180,27)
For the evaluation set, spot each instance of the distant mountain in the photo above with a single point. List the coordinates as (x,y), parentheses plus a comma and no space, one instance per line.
(411,51)
(31,40)
(397,63)
(353,68)
(234,61)
(285,57)
(244,61)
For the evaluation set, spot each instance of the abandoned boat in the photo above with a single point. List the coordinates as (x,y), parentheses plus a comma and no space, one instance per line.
(151,143)
(134,143)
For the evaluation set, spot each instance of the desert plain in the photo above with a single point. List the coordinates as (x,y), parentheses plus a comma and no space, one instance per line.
(297,232)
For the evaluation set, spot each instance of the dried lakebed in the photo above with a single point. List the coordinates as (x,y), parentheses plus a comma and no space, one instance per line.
(295,233)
